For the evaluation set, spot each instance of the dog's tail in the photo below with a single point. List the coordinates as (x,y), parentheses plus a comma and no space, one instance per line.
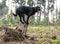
(15,14)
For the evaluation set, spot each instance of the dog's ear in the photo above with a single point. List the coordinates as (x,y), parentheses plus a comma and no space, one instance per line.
(14,14)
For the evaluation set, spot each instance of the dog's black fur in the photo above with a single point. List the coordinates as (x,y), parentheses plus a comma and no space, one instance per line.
(26,10)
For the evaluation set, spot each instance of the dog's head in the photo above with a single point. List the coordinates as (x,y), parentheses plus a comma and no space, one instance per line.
(37,8)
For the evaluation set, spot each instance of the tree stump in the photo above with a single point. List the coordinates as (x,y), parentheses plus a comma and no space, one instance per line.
(17,34)
(22,27)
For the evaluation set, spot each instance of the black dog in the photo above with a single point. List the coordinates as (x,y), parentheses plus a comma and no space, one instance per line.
(26,10)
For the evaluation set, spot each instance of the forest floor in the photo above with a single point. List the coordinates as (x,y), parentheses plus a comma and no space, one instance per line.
(34,35)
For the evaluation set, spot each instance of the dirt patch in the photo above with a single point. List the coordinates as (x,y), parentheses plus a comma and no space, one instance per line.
(15,36)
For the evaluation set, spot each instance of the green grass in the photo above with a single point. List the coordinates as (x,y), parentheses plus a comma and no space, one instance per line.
(46,38)
(41,28)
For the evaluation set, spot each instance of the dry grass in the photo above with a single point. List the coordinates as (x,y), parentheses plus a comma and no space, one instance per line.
(34,36)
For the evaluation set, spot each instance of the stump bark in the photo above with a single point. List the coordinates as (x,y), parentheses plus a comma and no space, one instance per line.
(22,27)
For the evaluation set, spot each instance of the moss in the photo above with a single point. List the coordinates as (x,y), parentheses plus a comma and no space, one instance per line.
(45,41)
(55,42)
